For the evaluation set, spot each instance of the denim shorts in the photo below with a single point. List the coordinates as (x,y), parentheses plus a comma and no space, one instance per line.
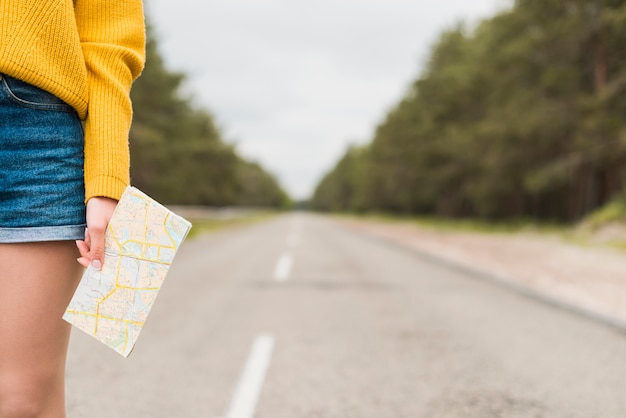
(42,189)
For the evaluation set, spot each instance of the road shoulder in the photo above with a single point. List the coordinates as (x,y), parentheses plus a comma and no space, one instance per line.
(591,280)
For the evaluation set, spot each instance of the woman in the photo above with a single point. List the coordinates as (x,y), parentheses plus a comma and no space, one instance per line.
(66,68)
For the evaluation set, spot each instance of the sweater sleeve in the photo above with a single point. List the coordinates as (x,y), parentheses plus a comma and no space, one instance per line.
(112,35)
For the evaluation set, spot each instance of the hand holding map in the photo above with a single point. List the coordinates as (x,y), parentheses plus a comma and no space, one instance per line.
(112,304)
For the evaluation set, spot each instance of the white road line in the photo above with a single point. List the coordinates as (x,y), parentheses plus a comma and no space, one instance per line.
(246,396)
(283,267)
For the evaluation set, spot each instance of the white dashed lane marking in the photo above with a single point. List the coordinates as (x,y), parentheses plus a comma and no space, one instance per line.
(247,394)
(283,267)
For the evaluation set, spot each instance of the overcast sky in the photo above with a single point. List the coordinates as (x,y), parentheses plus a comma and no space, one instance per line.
(293,82)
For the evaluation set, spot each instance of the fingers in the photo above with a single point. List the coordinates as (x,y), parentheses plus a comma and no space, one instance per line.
(83,249)
(99,212)
(92,248)
(83,261)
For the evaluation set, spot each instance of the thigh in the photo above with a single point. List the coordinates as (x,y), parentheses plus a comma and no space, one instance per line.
(37,281)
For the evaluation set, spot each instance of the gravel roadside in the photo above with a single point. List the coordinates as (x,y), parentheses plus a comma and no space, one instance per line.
(586,279)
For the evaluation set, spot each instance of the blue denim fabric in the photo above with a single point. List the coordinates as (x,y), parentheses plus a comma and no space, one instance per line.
(41,166)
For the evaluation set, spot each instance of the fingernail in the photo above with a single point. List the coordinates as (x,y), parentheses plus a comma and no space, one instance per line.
(96,264)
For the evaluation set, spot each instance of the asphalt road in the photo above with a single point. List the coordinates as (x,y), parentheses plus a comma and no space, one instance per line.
(300,317)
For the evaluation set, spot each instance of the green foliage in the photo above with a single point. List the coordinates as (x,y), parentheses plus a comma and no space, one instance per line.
(520,118)
(177,151)
(259,188)
(614,211)
(342,189)
(204,225)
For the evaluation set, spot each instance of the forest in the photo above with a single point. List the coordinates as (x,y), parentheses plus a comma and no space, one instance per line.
(179,155)
(520,116)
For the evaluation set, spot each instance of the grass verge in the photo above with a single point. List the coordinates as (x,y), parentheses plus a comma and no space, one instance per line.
(207,225)
(468,225)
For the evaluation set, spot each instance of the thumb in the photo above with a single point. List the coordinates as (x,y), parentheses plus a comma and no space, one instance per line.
(96,251)
(99,212)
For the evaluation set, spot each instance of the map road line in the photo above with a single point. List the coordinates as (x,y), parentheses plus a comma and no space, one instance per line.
(246,396)
(283,267)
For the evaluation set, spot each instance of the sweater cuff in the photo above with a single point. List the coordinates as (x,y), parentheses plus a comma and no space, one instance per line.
(105,186)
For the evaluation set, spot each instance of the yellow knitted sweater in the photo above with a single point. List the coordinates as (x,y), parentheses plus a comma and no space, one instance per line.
(86,52)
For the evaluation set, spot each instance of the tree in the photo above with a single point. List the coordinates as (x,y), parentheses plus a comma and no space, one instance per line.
(521,117)
(177,151)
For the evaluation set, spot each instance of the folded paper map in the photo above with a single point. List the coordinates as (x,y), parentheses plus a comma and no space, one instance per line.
(112,304)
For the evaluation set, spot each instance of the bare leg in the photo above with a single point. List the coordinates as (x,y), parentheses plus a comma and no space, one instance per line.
(36,283)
